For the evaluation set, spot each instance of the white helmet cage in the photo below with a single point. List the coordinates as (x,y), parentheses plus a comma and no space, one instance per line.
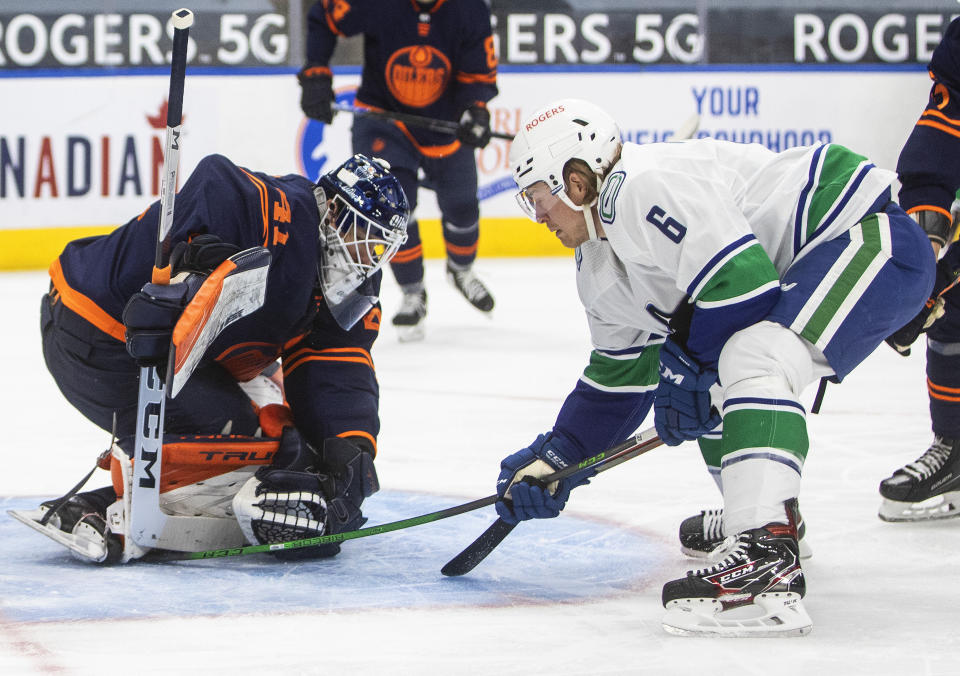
(557,133)
(361,228)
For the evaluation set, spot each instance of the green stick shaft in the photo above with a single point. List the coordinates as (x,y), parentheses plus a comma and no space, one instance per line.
(599,462)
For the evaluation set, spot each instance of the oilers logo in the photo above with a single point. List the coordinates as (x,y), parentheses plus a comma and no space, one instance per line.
(417,75)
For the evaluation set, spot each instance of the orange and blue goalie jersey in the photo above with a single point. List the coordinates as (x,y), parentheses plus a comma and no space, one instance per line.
(329,379)
(434,60)
(929,164)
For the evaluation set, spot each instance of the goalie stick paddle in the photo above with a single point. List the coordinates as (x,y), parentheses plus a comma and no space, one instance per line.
(443,126)
(480,548)
(145,518)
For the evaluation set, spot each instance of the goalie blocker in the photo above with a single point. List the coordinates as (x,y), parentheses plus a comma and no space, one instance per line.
(223,491)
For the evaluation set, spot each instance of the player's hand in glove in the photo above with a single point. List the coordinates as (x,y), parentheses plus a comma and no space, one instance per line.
(475,126)
(522,495)
(316,95)
(151,314)
(303,494)
(932,310)
(682,410)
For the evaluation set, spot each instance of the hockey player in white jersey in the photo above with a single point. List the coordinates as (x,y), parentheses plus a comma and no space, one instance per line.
(713,265)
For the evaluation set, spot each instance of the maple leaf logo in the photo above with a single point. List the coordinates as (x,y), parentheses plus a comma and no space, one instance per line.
(159,121)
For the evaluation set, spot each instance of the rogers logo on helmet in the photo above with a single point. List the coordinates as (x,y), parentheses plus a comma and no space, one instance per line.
(542,117)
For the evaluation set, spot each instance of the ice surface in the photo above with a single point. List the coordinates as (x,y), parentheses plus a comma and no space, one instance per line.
(576,595)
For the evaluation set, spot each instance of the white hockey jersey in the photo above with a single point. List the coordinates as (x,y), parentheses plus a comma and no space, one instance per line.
(713,222)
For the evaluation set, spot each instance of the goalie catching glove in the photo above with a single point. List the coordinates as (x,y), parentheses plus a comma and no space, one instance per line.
(304,494)
(151,314)
(522,495)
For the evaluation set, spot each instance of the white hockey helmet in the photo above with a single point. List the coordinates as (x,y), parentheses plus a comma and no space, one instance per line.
(555,134)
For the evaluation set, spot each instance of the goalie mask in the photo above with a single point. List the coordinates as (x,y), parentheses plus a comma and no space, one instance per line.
(549,138)
(363,222)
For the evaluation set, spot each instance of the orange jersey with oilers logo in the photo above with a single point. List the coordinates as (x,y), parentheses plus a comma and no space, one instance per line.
(329,394)
(434,60)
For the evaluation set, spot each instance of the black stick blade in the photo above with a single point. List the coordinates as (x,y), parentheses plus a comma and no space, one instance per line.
(478,550)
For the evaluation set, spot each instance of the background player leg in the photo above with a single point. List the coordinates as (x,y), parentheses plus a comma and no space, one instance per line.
(929,487)
(454,179)
(378,139)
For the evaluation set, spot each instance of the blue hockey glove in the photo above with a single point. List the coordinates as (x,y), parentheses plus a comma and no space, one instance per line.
(151,314)
(475,126)
(149,318)
(522,495)
(682,409)
(932,310)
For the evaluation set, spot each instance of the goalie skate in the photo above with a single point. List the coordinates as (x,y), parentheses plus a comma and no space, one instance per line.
(754,591)
(700,535)
(79,526)
(926,489)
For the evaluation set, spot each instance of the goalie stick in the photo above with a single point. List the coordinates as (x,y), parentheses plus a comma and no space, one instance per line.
(235,289)
(145,519)
(480,548)
(444,126)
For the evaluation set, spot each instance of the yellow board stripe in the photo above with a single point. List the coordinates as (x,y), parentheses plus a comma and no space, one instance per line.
(36,248)
(499,238)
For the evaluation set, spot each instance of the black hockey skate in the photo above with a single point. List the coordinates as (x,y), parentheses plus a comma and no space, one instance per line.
(755,590)
(700,535)
(471,287)
(926,489)
(409,319)
(79,523)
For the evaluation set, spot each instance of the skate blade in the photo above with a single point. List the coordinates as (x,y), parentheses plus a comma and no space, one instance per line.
(946,506)
(83,548)
(773,615)
(410,334)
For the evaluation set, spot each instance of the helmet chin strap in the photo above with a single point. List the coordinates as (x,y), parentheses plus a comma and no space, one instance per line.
(588,217)
(588,212)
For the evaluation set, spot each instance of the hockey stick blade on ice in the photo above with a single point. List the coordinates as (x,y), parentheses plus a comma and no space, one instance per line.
(442,126)
(480,548)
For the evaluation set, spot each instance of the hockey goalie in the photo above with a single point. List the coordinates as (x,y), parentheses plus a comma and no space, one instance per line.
(272,436)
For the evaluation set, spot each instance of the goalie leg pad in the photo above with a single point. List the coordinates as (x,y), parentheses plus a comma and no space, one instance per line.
(200,477)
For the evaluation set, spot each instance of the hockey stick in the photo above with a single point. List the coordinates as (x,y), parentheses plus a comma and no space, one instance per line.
(145,517)
(480,548)
(443,126)
(687,128)
(601,462)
